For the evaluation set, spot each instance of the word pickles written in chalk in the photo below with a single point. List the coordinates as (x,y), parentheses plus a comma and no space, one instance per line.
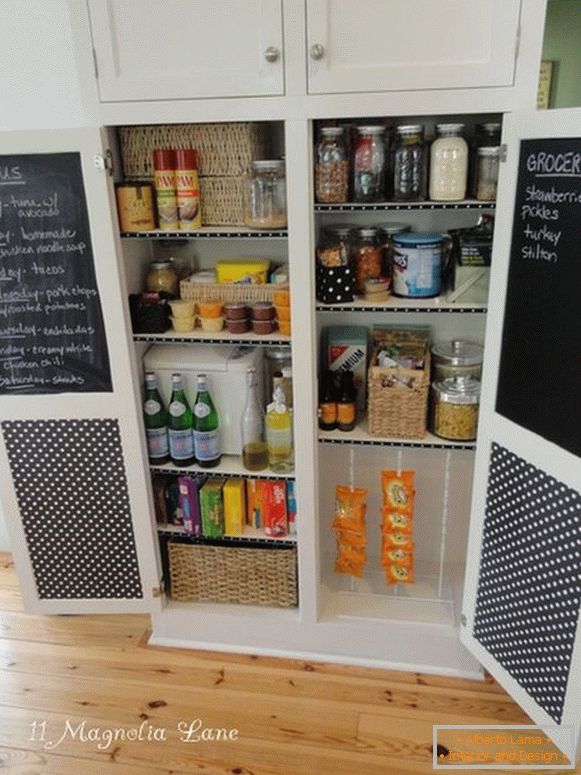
(52,336)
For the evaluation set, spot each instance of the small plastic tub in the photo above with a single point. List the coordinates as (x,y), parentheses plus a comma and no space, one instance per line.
(281,298)
(237,325)
(236,310)
(283,313)
(284,326)
(210,309)
(183,325)
(263,310)
(182,308)
(263,326)
(212,325)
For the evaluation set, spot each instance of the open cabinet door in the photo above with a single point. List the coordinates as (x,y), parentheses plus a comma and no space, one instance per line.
(523,581)
(73,481)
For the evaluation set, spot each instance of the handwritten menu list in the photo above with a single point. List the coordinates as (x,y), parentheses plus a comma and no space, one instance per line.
(539,385)
(52,338)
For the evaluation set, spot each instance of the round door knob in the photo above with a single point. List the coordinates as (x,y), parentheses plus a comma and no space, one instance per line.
(271,54)
(317,51)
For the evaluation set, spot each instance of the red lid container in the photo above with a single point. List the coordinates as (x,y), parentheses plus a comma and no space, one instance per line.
(186,159)
(164,159)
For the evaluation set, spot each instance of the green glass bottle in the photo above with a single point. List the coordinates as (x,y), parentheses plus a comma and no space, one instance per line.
(206,434)
(155,420)
(180,424)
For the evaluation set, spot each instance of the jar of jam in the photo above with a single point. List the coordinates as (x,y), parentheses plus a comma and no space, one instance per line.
(336,245)
(410,164)
(331,167)
(162,277)
(368,256)
(369,164)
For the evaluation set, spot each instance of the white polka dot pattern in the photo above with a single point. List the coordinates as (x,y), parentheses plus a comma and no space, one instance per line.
(529,586)
(69,477)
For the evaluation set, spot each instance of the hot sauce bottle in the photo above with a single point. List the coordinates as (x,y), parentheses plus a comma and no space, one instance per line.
(346,406)
(327,402)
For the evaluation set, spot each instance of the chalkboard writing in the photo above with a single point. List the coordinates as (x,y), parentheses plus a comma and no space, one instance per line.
(52,338)
(539,385)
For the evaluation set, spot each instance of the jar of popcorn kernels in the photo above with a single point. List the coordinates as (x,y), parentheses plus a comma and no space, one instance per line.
(455,404)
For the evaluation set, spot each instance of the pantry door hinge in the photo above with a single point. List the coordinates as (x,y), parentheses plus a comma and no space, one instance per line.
(503,155)
(95,65)
(104,161)
(517,43)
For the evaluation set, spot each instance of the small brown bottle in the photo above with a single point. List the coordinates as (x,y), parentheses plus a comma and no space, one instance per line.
(327,402)
(346,406)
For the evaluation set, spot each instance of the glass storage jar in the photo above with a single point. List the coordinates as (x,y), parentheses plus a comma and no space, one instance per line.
(455,403)
(331,167)
(409,164)
(369,164)
(336,245)
(457,359)
(487,173)
(367,256)
(162,277)
(448,164)
(265,195)
(486,136)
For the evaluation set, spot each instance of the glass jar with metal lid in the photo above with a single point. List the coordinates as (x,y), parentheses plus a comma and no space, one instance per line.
(455,404)
(368,256)
(409,164)
(331,166)
(369,164)
(449,164)
(336,245)
(265,195)
(486,136)
(162,277)
(487,161)
(457,358)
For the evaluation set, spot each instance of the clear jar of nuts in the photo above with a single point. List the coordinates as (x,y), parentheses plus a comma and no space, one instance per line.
(331,167)
(368,256)
(455,403)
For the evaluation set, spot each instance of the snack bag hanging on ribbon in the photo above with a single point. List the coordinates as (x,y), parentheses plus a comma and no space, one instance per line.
(398,491)
(397,514)
(349,527)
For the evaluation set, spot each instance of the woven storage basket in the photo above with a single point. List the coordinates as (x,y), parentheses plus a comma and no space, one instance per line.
(229,291)
(222,201)
(231,574)
(223,149)
(395,409)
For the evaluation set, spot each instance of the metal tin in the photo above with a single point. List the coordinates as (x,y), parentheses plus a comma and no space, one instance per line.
(417,264)
(135,206)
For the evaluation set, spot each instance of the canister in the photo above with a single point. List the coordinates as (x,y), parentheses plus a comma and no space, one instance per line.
(455,405)
(135,206)
(457,358)
(417,264)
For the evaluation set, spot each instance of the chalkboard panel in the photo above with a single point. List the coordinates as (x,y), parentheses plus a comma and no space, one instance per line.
(52,338)
(539,385)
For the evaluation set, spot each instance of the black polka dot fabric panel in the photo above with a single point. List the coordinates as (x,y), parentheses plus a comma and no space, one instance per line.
(529,586)
(69,477)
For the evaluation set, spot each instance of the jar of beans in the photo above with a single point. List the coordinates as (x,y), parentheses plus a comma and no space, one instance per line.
(368,256)
(455,404)
(331,167)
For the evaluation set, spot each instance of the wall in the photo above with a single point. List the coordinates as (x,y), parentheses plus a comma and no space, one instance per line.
(562,44)
(38,88)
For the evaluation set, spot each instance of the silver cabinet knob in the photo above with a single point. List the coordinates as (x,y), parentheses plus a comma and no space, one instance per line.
(271,54)
(317,51)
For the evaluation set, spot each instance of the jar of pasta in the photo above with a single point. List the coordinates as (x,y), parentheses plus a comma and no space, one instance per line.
(367,256)
(455,403)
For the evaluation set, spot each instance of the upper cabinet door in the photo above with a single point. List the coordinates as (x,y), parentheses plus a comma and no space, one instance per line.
(373,45)
(187,49)
(521,610)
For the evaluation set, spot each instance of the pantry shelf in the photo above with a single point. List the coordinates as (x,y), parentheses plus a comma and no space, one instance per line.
(250,534)
(393,304)
(230,465)
(217,232)
(221,337)
(360,436)
(467,204)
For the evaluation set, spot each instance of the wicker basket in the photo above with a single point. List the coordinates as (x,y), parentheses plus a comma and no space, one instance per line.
(222,201)
(229,291)
(229,574)
(396,409)
(223,149)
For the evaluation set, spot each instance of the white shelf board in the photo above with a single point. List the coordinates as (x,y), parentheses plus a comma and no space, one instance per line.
(219,337)
(208,232)
(230,465)
(250,534)
(360,435)
(438,304)
(465,204)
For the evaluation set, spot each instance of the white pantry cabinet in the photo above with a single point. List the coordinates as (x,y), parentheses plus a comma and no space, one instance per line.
(399,46)
(185,49)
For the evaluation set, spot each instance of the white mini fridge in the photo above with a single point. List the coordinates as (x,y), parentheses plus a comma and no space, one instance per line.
(226,368)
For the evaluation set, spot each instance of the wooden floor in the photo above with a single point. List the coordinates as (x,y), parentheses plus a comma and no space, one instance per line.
(293,718)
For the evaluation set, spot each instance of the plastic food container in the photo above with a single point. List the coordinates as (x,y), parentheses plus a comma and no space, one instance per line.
(417,264)
(235,310)
(183,325)
(182,308)
(457,359)
(212,325)
(284,326)
(262,310)
(237,325)
(252,272)
(283,313)
(263,326)
(281,298)
(210,309)
(377,289)
(455,408)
